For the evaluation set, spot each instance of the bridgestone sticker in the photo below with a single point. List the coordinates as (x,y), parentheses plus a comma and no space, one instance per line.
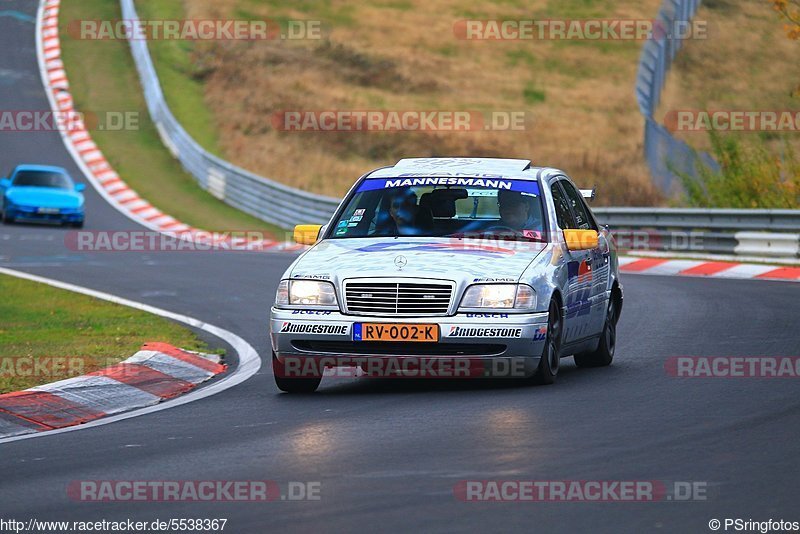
(314,328)
(460,331)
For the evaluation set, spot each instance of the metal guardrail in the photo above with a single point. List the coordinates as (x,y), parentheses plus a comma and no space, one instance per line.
(263,198)
(762,233)
(730,220)
(664,153)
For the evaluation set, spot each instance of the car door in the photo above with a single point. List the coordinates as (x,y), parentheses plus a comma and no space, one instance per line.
(578,289)
(598,258)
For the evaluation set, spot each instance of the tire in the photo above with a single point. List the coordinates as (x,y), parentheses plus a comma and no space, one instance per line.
(7,219)
(604,354)
(547,371)
(77,224)
(293,385)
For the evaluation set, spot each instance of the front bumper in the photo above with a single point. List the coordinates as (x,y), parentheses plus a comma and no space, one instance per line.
(32,215)
(489,344)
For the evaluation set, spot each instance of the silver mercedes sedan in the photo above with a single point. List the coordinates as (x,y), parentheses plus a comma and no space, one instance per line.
(448,268)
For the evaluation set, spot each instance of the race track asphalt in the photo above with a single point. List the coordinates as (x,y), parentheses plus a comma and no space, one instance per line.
(389,452)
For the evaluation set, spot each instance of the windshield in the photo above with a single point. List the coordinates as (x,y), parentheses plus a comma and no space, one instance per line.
(443,207)
(42,179)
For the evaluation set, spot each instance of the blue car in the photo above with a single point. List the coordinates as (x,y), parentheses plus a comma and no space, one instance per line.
(41,193)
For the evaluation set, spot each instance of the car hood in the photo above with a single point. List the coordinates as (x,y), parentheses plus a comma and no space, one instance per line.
(44,197)
(461,260)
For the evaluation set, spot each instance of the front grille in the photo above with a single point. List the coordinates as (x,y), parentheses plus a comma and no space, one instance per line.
(387,298)
(399,348)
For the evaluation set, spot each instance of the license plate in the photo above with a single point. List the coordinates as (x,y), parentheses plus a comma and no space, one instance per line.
(48,211)
(418,333)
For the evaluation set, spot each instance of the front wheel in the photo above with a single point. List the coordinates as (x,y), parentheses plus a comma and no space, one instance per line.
(292,385)
(549,363)
(604,354)
(6,218)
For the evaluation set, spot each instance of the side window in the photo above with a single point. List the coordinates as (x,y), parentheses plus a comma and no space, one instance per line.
(583,220)
(563,213)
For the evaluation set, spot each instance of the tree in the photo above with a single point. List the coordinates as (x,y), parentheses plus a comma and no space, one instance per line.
(790,10)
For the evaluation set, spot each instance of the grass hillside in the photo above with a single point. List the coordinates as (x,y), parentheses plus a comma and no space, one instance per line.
(404,55)
(747,63)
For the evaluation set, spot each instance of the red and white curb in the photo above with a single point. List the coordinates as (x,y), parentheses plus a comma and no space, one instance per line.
(710,269)
(157,372)
(90,158)
(178,373)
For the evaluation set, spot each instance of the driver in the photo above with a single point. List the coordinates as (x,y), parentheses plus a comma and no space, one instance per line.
(405,217)
(516,210)
(403,209)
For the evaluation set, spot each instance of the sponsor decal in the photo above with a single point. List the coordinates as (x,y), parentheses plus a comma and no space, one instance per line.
(434,179)
(312,276)
(494,280)
(311,312)
(359,212)
(342,224)
(352,224)
(580,273)
(540,334)
(460,331)
(314,328)
(470,182)
(341,231)
(487,315)
(356,218)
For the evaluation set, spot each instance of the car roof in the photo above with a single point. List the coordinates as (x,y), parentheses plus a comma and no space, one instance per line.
(520,169)
(40,168)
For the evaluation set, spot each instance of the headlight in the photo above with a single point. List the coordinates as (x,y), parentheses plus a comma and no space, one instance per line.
(501,296)
(305,293)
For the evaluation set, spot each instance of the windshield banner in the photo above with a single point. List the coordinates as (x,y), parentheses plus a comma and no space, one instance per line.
(523,186)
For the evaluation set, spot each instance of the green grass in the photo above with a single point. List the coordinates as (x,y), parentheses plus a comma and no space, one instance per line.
(533,95)
(103,78)
(181,71)
(54,325)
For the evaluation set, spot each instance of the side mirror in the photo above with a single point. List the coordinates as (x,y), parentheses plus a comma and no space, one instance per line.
(5,183)
(581,239)
(80,187)
(306,234)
